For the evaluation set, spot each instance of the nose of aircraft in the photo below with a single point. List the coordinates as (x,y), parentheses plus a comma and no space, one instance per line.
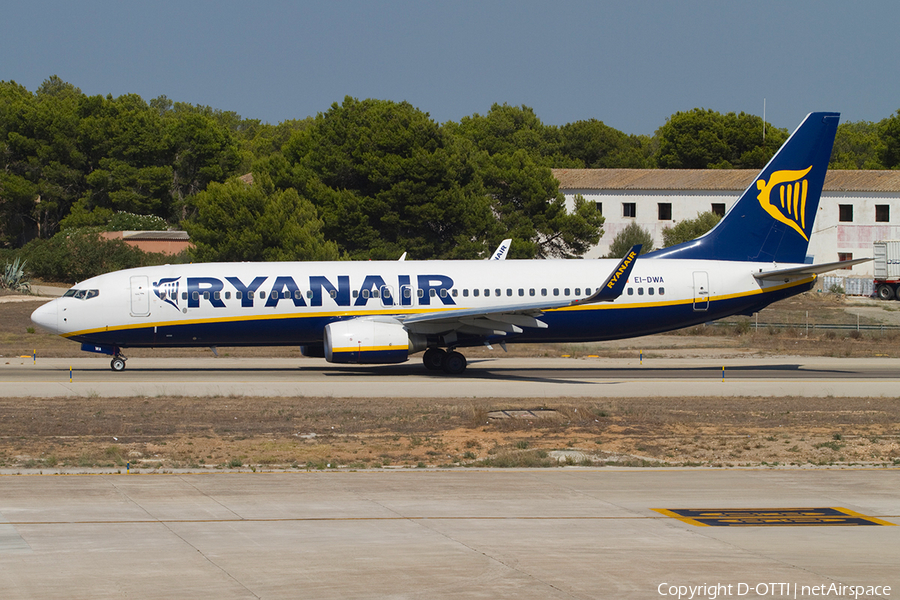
(46,316)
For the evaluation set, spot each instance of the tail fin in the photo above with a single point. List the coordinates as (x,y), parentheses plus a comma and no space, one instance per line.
(773,219)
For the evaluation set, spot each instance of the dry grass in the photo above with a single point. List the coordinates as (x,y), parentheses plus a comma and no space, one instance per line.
(224,432)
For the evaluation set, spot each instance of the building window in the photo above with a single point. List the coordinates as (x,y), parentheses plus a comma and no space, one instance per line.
(842,256)
(882,213)
(599,206)
(845,213)
(718,208)
(665,211)
(629,209)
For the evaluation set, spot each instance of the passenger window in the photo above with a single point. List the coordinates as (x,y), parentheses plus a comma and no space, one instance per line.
(475,292)
(587,291)
(631,291)
(407,293)
(309,293)
(228,295)
(497,292)
(509,291)
(375,293)
(662,291)
(217,295)
(566,291)
(184,295)
(432,293)
(455,292)
(640,291)
(206,295)
(465,292)
(195,295)
(420,293)
(333,293)
(650,291)
(531,291)
(543,291)
(487,293)
(577,291)
(262,295)
(239,295)
(162,296)
(443,293)
(521,292)
(365,293)
(250,295)
(298,294)
(556,291)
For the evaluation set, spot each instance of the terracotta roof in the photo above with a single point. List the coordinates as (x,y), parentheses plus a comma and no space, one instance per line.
(736,180)
(155,235)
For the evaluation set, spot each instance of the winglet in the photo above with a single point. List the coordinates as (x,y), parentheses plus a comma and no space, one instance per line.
(502,249)
(614,285)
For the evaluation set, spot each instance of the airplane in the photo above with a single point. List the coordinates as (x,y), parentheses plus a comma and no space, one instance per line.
(381,312)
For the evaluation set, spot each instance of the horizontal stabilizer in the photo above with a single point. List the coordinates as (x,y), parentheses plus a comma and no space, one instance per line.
(809,269)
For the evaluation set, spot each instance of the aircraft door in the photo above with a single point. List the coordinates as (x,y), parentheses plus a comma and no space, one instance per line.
(140,296)
(701,290)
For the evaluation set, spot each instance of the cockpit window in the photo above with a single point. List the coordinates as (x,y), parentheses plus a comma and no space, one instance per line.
(81,294)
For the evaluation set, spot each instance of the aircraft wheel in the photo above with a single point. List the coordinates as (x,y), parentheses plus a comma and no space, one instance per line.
(434,359)
(885,292)
(454,363)
(117,364)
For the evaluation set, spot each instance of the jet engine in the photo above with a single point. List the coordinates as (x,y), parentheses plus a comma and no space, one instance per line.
(370,341)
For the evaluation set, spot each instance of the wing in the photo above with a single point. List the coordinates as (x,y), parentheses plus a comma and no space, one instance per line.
(511,318)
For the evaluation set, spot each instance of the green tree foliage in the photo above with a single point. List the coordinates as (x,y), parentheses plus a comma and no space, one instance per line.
(689,229)
(525,198)
(236,221)
(706,139)
(76,160)
(890,135)
(387,180)
(628,237)
(599,146)
(857,146)
(76,255)
(507,129)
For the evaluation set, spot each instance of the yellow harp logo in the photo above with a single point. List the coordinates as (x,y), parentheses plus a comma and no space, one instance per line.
(789,206)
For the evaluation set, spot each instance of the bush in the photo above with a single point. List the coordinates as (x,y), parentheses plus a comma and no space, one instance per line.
(81,254)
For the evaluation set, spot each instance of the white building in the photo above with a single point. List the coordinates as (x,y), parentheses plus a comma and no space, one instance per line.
(856,209)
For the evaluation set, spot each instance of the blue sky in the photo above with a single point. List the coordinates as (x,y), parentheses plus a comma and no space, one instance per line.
(628,64)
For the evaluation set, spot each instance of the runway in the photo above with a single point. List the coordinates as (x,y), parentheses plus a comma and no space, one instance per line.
(493,377)
(562,533)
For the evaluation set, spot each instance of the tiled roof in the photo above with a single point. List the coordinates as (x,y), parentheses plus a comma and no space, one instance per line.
(155,235)
(736,180)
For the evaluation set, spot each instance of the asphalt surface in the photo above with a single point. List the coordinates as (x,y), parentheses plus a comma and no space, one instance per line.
(563,533)
(502,377)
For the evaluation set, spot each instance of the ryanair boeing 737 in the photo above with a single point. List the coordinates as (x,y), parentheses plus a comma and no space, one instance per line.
(382,312)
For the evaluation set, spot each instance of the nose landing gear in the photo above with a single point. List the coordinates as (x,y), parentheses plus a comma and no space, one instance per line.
(118,362)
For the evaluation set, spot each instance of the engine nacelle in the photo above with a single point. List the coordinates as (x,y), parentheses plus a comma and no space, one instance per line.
(366,341)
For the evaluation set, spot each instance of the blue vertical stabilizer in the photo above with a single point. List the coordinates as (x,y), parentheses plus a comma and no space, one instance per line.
(773,219)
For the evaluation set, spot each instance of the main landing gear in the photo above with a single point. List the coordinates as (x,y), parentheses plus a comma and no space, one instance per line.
(118,362)
(437,359)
